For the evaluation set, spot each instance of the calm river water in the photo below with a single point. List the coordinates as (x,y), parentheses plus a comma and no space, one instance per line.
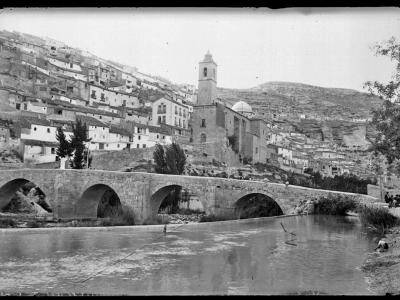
(214,258)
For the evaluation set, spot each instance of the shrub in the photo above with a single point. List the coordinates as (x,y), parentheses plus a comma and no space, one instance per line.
(4,223)
(334,205)
(378,217)
(220,217)
(33,224)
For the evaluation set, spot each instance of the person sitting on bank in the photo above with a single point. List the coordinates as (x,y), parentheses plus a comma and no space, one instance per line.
(387,198)
(382,246)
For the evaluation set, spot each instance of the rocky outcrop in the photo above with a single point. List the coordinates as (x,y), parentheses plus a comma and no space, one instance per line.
(306,206)
(32,203)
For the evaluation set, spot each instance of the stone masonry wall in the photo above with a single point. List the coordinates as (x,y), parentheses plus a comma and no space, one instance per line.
(76,193)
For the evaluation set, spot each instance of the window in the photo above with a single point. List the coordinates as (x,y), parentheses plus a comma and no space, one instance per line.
(163,137)
(139,137)
(203,123)
(34,128)
(163,119)
(158,136)
(256,150)
(203,138)
(93,95)
(137,146)
(180,111)
(159,120)
(205,72)
(53,150)
(48,130)
(176,110)
(117,145)
(144,145)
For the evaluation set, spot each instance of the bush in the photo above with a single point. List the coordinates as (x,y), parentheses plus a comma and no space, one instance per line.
(4,223)
(33,224)
(334,205)
(378,217)
(221,217)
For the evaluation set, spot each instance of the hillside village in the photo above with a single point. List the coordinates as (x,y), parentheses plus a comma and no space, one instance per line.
(45,84)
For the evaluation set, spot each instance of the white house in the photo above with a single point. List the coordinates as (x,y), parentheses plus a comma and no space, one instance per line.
(166,111)
(98,94)
(38,140)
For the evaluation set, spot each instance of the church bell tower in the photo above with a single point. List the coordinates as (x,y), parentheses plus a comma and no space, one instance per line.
(207,89)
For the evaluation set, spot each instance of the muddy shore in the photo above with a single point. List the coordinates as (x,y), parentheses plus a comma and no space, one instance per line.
(382,269)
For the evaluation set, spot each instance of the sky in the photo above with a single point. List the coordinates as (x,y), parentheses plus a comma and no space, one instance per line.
(324,47)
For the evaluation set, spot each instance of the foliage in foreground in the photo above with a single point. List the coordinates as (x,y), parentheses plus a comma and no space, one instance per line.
(386,118)
(334,205)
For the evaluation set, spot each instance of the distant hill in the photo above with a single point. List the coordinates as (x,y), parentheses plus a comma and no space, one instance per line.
(314,102)
(289,96)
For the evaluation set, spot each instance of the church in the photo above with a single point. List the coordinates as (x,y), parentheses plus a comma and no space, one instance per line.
(215,126)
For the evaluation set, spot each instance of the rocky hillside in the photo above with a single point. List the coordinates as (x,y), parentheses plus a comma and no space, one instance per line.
(287,98)
(304,98)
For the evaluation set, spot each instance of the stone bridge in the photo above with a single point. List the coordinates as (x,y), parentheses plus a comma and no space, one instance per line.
(77,193)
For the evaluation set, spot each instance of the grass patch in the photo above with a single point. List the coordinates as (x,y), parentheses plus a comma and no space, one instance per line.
(377,217)
(334,205)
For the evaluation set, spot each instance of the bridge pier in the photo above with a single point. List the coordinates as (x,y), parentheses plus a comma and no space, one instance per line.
(76,193)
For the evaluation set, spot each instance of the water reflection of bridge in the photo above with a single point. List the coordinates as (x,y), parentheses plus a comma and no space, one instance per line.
(77,193)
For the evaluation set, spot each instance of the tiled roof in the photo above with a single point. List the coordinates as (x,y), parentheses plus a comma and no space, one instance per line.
(26,122)
(90,121)
(120,130)
(157,129)
(38,143)
(84,109)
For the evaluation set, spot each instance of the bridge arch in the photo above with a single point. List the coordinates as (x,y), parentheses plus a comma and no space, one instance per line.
(162,191)
(8,190)
(256,204)
(89,203)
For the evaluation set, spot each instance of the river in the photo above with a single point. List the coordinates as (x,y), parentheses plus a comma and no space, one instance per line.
(239,257)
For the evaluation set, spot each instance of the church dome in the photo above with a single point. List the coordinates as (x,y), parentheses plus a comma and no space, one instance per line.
(242,107)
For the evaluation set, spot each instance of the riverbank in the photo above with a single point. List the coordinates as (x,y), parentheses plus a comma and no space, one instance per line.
(382,269)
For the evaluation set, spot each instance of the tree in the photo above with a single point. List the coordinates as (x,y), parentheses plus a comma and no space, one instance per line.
(78,144)
(64,148)
(386,119)
(175,159)
(159,159)
(170,161)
